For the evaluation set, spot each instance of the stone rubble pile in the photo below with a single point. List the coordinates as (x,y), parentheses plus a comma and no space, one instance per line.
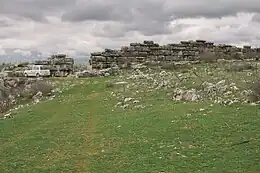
(35,90)
(15,89)
(219,92)
(144,81)
(185,95)
(97,73)
(152,80)
(148,51)
(14,70)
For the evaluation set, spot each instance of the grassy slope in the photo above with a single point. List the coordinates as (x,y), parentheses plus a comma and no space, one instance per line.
(82,132)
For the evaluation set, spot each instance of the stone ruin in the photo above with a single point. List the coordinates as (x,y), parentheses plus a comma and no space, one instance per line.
(14,70)
(59,65)
(148,51)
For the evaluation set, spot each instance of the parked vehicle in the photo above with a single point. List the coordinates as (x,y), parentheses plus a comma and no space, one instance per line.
(37,71)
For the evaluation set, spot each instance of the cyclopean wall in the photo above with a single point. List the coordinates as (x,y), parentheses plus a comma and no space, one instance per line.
(148,51)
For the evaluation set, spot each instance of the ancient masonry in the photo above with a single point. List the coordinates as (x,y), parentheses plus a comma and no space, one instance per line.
(59,65)
(148,51)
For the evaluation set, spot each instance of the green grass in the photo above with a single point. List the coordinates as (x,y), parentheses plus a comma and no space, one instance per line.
(82,131)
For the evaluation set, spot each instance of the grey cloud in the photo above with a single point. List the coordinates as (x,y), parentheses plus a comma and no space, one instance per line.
(214,9)
(127,11)
(96,11)
(4,36)
(33,9)
(179,27)
(115,10)
(119,10)
(149,28)
(256,17)
(147,17)
(4,23)
(9,50)
(109,24)
(151,17)
(111,29)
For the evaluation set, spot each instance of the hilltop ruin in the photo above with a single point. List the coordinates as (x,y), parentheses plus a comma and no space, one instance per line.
(59,64)
(149,51)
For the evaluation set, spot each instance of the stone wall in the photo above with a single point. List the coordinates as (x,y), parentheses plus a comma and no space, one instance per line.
(58,62)
(148,51)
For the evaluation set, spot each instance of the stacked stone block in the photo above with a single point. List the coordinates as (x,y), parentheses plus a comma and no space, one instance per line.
(58,62)
(148,51)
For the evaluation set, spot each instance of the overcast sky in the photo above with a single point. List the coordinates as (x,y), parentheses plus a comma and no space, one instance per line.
(36,28)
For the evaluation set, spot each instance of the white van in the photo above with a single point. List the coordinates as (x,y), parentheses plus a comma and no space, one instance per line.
(37,71)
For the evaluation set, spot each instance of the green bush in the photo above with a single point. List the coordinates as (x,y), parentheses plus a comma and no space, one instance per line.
(238,67)
(208,57)
(255,88)
(37,86)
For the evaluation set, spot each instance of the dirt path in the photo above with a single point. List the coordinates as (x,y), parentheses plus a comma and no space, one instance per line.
(83,165)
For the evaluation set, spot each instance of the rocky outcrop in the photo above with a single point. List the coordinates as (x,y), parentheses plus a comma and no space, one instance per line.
(97,73)
(13,90)
(148,51)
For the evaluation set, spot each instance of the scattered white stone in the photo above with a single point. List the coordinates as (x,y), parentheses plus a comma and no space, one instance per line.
(8,115)
(254,104)
(127,99)
(118,104)
(185,95)
(136,101)
(140,106)
(119,83)
(125,106)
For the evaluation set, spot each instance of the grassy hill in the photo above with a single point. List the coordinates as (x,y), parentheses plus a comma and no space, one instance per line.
(83,131)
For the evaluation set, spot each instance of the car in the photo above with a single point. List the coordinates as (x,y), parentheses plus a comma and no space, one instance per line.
(37,71)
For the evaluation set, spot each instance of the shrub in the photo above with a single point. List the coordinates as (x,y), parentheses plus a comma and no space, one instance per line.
(171,66)
(167,66)
(37,86)
(109,85)
(235,56)
(152,65)
(4,92)
(208,57)
(255,88)
(237,67)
